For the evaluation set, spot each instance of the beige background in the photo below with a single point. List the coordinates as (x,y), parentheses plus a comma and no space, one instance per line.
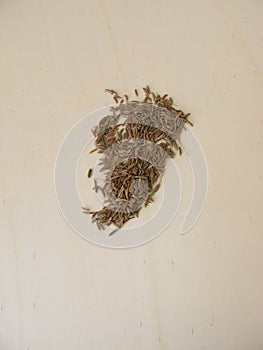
(199,291)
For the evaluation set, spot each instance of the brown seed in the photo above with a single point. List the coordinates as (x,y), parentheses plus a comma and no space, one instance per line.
(110,91)
(148,89)
(90,172)
(188,122)
(156,188)
(95,188)
(86,209)
(147,98)
(114,231)
(121,181)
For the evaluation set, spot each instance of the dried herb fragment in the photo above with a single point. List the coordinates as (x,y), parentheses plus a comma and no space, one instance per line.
(90,172)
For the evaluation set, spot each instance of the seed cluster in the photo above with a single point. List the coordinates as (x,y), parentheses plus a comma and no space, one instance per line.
(137,169)
(135,140)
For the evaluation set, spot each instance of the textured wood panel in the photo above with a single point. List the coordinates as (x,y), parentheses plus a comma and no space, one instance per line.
(193,292)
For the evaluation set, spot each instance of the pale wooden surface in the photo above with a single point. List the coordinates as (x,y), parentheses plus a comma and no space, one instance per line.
(199,291)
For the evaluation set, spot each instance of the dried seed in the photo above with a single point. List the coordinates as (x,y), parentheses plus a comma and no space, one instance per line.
(90,172)
(120,185)
(95,188)
(156,188)
(147,98)
(110,91)
(148,89)
(114,231)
